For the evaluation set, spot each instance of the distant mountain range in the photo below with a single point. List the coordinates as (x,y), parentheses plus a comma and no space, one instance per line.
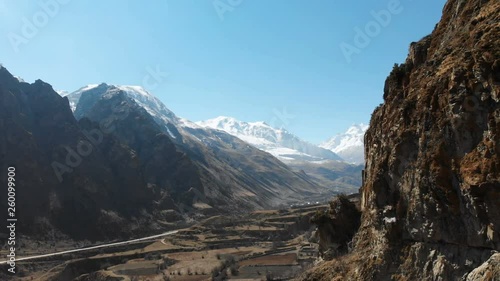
(318,165)
(116,159)
(324,165)
(346,147)
(279,142)
(225,163)
(287,147)
(123,163)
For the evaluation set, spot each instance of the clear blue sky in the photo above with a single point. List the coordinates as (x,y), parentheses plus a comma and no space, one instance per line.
(259,58)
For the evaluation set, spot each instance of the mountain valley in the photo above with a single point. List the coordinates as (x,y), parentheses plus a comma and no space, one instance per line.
(108,183)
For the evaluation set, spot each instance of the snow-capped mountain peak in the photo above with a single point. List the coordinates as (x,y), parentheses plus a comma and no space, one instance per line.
(357,129)
(232,125)
(74,97)
(140,96)
(349,145)
(148,101)
(278,142)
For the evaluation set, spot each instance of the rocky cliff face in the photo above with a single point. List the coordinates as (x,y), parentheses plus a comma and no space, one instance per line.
(431,196)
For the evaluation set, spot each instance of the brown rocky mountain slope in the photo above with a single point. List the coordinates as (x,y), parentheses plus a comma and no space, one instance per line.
(116,172)
(431,194)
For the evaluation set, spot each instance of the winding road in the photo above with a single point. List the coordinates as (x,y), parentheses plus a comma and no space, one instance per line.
(93,247)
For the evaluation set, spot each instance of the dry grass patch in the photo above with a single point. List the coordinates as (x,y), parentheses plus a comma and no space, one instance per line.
(204,261)
(286,259)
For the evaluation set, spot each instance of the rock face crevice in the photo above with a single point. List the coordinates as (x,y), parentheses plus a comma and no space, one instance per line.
(432,171)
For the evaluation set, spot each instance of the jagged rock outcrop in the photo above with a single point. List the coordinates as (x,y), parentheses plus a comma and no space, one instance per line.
(487,271)
(336,227)
(431,195)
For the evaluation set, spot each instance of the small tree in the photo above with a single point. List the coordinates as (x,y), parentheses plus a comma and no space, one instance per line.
(234,270)
(269,276)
